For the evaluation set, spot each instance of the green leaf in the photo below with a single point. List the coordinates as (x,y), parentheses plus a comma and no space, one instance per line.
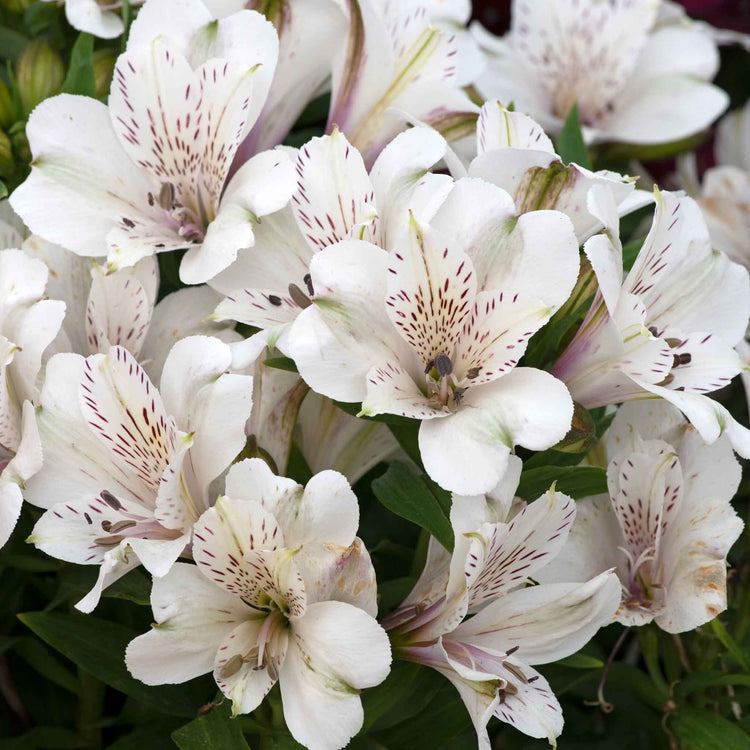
(12,44)
(408,495)
(40,658)
(281,363)
(570,145)
(212,731)
(712,678)
(40,16)
(98,647)
(3,190)
(630,252)
(576,481)
(81,79)
(581,661)
(729,643)
(50,738)
(700,729)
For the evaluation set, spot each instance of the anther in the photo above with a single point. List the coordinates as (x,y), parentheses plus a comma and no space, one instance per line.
(473,373)
(231,667)
(308,283)
(654,331)
(443,365)
(121,526)
(681,359)
(299,297)
(111,500)
(516,671)
(166,196)
(274,300)
(109,541)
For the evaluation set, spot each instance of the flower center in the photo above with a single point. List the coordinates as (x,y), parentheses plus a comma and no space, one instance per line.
(264,652)
(443,388)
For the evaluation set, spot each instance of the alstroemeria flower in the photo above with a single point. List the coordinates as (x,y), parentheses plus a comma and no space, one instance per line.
(147,172)
(669,327)
(394,59)
(666,525)
(128,468)
(434,333)
(28,325)
(120,308)
(488,656)
(514,153)
(282,591)
(101,19)
(634,82)
(336,199)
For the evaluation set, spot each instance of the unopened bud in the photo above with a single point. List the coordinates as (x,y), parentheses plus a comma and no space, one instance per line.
(16,6)
(7,110)
(17,133)
(7,164)
(39,73)
(582,432)
(104,64)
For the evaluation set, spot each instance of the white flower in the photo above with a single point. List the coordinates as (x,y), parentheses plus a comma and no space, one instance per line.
(667,329)
(119,308)
(147,173)
(395,59)
(634,81)
(488,656)
(128,468)
(666,525)
(336,199)
(28,325)
(283,590)
(98,18)
(514,153)
(434,330)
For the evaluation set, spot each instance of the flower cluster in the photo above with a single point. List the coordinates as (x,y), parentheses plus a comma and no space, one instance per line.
(217,324)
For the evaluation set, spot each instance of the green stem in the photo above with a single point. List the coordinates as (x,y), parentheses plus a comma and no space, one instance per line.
(90,708)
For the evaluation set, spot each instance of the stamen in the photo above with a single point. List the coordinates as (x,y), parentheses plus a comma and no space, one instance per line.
(308,283)
(231,667)
(299,297)
(111,500)
(109,541)
(274,300)
(473,373)
(121,526)
(443,365)
(167,196)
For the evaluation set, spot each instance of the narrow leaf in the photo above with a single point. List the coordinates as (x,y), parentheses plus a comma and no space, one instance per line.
(699,729)
(576,481)
(212,731)
(408,495)
(570,145)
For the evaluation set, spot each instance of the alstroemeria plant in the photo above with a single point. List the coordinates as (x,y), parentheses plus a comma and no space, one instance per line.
(633,81)
(283,590)
(665,526)
(487,656)
(147,173)
(128,468)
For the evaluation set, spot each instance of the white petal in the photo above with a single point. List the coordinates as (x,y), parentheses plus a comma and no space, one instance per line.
(89,16)
(334,198)
(392,390)
(499,128)
(547,622)
(10,510)
(192,616)
(335,650)
(82,182)
(468,452)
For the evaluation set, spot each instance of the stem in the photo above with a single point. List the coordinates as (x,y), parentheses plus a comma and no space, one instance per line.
(605,705)
(90,708)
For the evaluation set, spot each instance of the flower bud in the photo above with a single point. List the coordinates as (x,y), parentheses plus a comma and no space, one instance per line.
(17,134)
(39,73)
(104,65)
(7,164)
(16,6)
(7,110)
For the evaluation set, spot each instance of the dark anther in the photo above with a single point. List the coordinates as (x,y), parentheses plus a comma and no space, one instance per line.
(166,196)
(531,679)
(88,518)
(681,359)
(443,365)
(274,300)
(473,373)
(106,526)
(654,331)
(111,500)
(299,297)
(308,283)
(121,526)
(511,651)
(429,366)
(151,199)
(127,222)
(109,541)
(458,395)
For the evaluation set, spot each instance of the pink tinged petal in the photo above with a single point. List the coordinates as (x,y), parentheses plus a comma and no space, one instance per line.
(685,284)
(431,287)
(193,617)
(115,565)
(253,480)
(267,309)
(646,489)
(502,556)
(125,412)
(391,390)
(239,545)
(468,452)
(118,313)
(334,651)
(346,330)
(82,183)
(495,334)
(237,670)
(335,573)
(499,128)
(547,622)
(334,198)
